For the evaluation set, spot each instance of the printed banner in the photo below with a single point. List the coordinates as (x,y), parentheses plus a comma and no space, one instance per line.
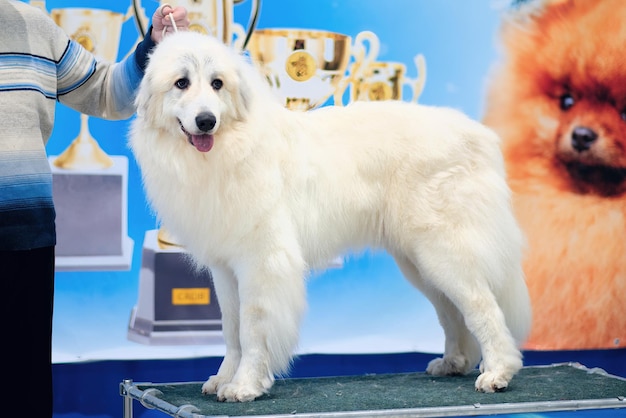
(547,79)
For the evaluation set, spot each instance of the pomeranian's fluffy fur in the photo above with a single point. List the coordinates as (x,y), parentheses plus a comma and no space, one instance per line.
(262,194)
(558,100)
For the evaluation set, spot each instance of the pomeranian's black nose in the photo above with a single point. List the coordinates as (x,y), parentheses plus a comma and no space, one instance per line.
(205,121)
(583,138)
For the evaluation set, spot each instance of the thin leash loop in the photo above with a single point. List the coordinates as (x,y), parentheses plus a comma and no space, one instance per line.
(171,16)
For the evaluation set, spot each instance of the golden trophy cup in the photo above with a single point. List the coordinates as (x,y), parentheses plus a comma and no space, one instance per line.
(385,80)
(98,31)
(210,17)
(166,240)
(305,67)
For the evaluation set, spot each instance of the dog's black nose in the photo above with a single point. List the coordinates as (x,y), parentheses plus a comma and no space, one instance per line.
(205,121)
(583,138)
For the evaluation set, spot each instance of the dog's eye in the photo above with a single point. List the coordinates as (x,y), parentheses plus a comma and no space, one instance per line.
(182,83)
(217,84)
(566,101)
(623,114)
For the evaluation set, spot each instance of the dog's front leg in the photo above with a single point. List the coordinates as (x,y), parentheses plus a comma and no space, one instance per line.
(272,302)
(228,297)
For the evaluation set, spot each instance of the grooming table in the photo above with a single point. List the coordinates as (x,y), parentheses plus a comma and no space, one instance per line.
(558,387)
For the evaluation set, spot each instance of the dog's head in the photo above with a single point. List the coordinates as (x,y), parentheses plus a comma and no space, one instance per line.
(560,98)
(194,88)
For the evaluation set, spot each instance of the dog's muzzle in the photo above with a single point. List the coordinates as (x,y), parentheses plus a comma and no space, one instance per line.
(205,122)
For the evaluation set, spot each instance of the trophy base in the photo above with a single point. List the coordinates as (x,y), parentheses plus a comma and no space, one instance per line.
(98,263)
(147,332)
(91,217)
(176,303)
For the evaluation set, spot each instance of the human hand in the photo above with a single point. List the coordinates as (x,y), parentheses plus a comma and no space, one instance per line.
(162,23)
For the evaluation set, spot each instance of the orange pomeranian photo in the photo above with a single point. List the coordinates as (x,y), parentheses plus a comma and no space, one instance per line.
(557,98)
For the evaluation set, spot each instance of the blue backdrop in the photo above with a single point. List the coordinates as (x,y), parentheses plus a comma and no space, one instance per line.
(362,317)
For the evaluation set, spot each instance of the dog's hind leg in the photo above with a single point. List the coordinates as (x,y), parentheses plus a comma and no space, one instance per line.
(467,267)
(228,298)
(272,301)
(462,352)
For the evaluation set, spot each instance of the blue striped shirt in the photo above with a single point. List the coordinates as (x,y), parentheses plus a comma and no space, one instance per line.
(40,65)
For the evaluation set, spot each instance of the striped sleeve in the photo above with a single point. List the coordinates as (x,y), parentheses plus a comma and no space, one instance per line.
(96,87)
(74,68)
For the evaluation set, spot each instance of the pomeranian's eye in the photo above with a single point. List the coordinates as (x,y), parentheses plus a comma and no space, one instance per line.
(217,84)
(566,101)
(623,114)
(182,83)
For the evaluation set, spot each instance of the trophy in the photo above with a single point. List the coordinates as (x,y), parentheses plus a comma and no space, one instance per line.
(98,31)
(211,17)
(386,81)
(305,67)
(87,181)
(176,303)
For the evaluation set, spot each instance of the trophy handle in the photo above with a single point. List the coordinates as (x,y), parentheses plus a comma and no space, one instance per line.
(141,20)
(417,84)
(254,18)
(362,59)
(240,36)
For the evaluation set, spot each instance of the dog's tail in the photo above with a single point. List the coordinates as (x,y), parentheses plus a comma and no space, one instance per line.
(512,292)
(514,301)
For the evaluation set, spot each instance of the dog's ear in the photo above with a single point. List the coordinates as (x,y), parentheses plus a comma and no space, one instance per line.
(243,96)
(148,104)
(141,99)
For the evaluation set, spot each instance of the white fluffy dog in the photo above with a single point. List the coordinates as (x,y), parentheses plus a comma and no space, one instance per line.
(262,195)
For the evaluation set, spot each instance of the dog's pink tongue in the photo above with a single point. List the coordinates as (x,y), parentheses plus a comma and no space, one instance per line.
(203,143)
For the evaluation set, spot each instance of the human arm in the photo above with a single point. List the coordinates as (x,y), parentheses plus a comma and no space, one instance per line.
(107,90)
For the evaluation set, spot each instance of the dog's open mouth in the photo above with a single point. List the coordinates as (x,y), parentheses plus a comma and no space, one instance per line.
(203,142)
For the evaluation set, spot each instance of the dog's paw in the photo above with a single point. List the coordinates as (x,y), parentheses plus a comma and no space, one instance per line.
(211,386)
(232,392)
(448,366)
(490,382)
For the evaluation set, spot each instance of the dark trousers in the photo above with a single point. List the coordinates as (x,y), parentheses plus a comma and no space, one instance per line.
(27,280)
